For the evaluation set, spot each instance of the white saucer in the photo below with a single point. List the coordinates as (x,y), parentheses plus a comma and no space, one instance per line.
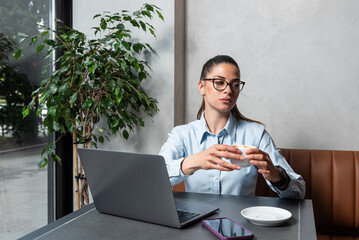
(266,216)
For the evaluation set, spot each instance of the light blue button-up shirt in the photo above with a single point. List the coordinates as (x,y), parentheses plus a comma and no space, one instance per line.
(195,137)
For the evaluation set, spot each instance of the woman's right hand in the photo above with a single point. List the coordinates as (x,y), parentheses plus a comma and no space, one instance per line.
(211,159)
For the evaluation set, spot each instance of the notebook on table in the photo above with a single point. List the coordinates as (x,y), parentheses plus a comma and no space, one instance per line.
(137,186)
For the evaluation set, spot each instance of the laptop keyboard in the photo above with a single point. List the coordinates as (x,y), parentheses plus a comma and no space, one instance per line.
(184,215)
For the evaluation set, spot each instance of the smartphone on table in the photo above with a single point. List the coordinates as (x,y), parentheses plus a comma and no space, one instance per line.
(225,228)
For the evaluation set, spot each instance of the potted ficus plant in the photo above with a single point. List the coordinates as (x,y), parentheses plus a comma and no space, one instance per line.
(95,79)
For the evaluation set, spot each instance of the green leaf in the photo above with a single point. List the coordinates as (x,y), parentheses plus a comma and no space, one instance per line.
(149,7)
(143,25)
(112,84)
(63,69)
(18,54)
(57,158)
(70,126)
(92,68)
(115,123)
(116,46)
(56,126)
(53,89)
(74,36)
(101,139)
(52,111)
(142,75)
(31,104)
(103,24)
(137,47)
(39,48)
(147,101)
(106,104)
(73,98)
(33,40)
(141,122)
(42,163)
(137,67)
(146,13)
(96,16)
(126,45)
(141,66)
(51,148)
(152,32)
(149,46)
(121,27)
(88,102)
(44,69)
(135,23)
(118,99)
(124,65)
(50,42)
(160,15)
(63,89)
(117,91)
(25,111)
(44,33)
(125,134)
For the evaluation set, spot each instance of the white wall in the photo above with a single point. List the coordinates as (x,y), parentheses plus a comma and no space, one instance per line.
(299,59)
(160,86)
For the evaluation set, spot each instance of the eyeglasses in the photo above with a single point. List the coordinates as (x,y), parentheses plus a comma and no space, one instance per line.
(220,84)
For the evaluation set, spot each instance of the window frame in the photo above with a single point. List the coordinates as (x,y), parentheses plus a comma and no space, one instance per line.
(60,177)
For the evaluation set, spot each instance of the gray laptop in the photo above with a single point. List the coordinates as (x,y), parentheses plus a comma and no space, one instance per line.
(137,186)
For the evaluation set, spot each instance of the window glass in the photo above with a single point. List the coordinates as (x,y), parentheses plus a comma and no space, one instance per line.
(23,186)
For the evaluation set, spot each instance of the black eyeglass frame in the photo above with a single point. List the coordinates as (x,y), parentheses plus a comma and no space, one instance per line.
(241,83)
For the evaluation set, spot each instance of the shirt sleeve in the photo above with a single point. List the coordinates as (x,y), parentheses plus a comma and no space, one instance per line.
(173,153)
(296,187)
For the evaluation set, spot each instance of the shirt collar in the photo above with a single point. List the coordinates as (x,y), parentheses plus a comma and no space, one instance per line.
(204,130)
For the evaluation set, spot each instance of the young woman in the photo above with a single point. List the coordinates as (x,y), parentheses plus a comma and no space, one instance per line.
(198,153)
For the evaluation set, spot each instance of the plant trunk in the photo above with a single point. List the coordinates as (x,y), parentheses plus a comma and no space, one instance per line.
(81,185)
(76,166)
(84,184)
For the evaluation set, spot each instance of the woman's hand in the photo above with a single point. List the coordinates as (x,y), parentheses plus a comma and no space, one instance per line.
(265,165)
(211,159)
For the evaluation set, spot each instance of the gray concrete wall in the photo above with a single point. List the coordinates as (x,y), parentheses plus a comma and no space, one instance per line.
(299,59)
(160,86)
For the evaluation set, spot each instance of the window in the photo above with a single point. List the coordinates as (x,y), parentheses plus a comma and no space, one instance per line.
(23,186)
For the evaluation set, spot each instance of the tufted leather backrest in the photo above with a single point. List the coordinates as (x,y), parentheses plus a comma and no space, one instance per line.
(332,182)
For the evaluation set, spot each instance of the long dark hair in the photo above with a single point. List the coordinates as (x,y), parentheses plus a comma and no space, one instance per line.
(207,68)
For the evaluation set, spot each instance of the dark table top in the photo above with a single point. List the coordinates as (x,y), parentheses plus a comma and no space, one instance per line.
(87,223)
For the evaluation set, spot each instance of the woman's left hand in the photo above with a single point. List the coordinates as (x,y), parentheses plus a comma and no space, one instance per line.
(265,165)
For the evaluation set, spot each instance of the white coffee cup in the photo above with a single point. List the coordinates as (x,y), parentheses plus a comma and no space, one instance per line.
(245,162)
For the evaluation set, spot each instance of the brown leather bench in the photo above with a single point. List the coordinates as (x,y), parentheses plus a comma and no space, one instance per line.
(332,182)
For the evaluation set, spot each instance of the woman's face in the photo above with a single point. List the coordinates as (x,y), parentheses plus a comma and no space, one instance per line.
(220,101)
